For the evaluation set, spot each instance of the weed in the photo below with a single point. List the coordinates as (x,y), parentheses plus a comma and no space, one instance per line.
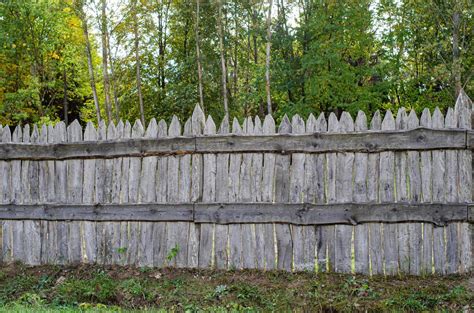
(219,292)
(172,253)
(122,250)
(247,292)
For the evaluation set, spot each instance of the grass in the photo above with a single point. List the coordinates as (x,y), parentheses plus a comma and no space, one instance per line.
(88,288)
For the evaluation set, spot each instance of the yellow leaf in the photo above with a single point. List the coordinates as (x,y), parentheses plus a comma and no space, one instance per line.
(54,55)
(13,46)
(67,10)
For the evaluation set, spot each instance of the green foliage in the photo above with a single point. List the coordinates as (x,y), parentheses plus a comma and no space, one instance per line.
(325,56)
(172,253)
(126,289)
(100,288)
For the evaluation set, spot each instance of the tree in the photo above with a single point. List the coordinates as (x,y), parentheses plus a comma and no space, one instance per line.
(137,60)
(198,57)
(105,57)
(267,57)
(83,16)
(222,53)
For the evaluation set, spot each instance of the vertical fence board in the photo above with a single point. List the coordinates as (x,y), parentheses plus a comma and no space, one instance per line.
(426,187)
(329,231)
(88,196)
(222,195)
(235,230)
(463,107)
(387,194)
(452,181)
(127,133)
(344,178)
(414,174)
(75,181)
(302,258)
(361,231)
(439,195)
(197,126)
(245,195)
(267,196)
(284,240)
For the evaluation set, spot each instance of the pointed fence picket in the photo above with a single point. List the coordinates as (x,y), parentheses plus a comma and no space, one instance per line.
(333,194)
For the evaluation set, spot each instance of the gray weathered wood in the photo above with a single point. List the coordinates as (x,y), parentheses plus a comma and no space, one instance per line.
(124,198)
(197,125)
(147,195)
(439,195)
(235,231)
(222,195)
(344,178)
(206,252)
(426,187)
(135,166)
(387,194)
(109,169)
(414,175)
(361,232)
(88,196)
(245,195)
(284,240)
(452,195)
(303,250)
(100,167)
(418,139)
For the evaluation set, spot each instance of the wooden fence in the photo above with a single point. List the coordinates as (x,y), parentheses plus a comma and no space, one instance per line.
(386,196)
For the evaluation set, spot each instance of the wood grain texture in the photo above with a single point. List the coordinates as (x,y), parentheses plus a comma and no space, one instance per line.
(418,139)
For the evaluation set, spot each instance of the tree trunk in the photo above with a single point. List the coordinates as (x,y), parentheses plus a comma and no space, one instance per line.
(267,58)
(105,67)
(456,52)
(236,50)
(223,64)
(89,61)
(198,57)
(65,102)
(137,62)
(113,80)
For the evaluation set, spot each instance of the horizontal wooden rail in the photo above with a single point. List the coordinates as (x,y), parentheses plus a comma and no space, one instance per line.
(370,141)
(228,213)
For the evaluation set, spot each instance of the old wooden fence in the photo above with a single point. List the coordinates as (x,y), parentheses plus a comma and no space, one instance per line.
(385,196)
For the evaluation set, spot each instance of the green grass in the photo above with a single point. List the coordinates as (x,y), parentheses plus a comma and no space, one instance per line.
(126,289)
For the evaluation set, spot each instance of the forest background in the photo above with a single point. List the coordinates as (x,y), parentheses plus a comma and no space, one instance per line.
(129,59)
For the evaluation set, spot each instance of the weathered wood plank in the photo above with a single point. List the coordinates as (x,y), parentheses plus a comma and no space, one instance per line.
(135,166)
(426,189)
(302,249)
(124,198)
(452,196)
(206,248)
(284,240)
(88,196)
(414,175)
(222,194)
(198,121)
(266,234)
(344,178)
(387,189)
(439,195)
(331,196)
(109,167)
(5,169)
(245,195)
(361,232)
(375,229)
(418,139)
(226,213)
